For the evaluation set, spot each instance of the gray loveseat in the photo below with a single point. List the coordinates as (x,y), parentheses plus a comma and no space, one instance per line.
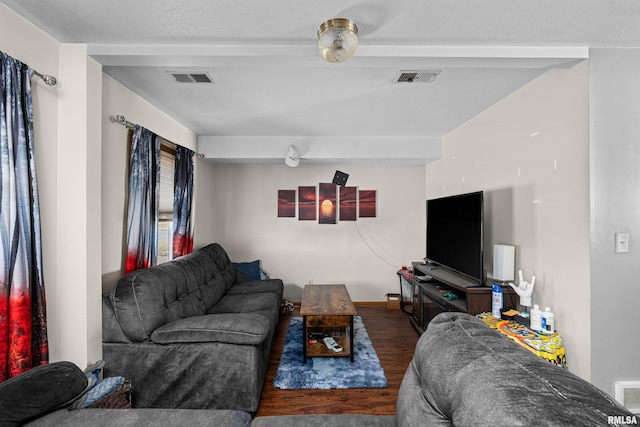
(191,333)
(466,374)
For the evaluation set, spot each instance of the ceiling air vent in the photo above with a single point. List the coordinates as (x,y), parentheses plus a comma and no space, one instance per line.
(192,78)
(416,76)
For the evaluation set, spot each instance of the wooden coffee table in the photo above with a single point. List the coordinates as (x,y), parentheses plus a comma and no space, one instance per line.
(327,309)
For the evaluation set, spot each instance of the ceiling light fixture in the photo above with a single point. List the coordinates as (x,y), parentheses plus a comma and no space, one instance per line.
(337,39)
(293,157)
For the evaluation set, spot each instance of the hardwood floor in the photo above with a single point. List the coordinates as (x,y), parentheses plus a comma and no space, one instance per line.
(393,339)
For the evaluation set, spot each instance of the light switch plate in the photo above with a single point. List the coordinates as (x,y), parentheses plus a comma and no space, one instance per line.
(622,243)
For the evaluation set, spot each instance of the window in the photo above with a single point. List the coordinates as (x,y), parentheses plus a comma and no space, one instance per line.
(165,223)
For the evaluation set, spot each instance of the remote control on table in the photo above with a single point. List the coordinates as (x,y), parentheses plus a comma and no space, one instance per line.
(332,345)
(316,335)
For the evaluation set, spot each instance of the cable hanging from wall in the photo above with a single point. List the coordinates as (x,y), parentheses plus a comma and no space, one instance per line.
(126,123)
(371,247)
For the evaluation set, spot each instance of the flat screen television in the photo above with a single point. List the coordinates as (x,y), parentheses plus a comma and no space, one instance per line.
(455,231)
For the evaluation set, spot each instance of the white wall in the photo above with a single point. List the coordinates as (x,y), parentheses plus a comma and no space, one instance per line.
(529,153)
(78,179)
(615,208)
(203,203)
(365,254)
(118,100)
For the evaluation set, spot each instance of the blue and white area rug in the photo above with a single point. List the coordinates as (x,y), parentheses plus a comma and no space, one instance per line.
(329,372)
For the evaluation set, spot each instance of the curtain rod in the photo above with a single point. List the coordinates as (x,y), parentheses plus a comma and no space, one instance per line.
(126,123)
(50,80)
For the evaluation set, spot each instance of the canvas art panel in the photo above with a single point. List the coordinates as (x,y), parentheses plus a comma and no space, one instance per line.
(286,203)
(348,204)
(367,203)
(327,208)
(307,203)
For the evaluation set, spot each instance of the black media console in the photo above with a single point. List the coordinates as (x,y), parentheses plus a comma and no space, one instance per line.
(433,297)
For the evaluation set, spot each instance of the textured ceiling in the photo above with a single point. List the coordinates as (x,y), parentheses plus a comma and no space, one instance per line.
(270,84)
(413,22)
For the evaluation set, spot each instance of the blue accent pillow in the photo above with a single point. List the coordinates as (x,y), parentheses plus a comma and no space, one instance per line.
(249,269)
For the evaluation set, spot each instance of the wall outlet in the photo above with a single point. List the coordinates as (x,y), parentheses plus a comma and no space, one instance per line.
(628,393)
(622,243)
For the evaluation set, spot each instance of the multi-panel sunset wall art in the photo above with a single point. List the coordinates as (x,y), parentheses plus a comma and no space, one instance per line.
(327,205)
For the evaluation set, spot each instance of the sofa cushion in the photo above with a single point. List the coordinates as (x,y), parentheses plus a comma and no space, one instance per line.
(40,390)
(141,417)
(465,372)
(257,286)
(208,279)
(237,328)
(325,420)
(248,303)
(223,264)
(149,298)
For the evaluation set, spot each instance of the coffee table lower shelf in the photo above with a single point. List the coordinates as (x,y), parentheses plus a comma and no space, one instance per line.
(339,327)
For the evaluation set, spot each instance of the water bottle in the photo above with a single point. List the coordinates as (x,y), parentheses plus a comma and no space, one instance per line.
(548,321)
(496,301)
(536,318)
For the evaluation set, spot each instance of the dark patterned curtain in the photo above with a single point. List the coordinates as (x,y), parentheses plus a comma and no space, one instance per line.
(144,195)
(23,324)
(182,197)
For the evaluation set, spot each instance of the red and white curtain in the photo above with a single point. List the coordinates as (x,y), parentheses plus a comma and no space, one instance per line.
(144,195)
(182,198)
(23,323)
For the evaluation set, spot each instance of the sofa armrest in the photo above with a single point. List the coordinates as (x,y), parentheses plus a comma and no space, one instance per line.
(111,330)
(231,328)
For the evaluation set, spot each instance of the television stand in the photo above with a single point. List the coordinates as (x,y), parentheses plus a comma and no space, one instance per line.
(444,275)
(431,298)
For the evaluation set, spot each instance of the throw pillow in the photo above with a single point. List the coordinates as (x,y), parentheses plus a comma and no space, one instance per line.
(40,390)
(250,269)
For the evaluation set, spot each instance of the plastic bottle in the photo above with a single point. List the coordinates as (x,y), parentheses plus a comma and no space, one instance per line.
(496,301)
(548,321)
(536,318)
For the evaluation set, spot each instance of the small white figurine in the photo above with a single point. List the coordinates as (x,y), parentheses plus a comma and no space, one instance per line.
(524,290)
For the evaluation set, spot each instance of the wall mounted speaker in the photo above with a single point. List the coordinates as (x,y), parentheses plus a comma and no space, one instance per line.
(340,178)
(504,257)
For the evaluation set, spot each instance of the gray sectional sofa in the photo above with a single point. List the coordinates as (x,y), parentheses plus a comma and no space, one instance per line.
(191,333)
